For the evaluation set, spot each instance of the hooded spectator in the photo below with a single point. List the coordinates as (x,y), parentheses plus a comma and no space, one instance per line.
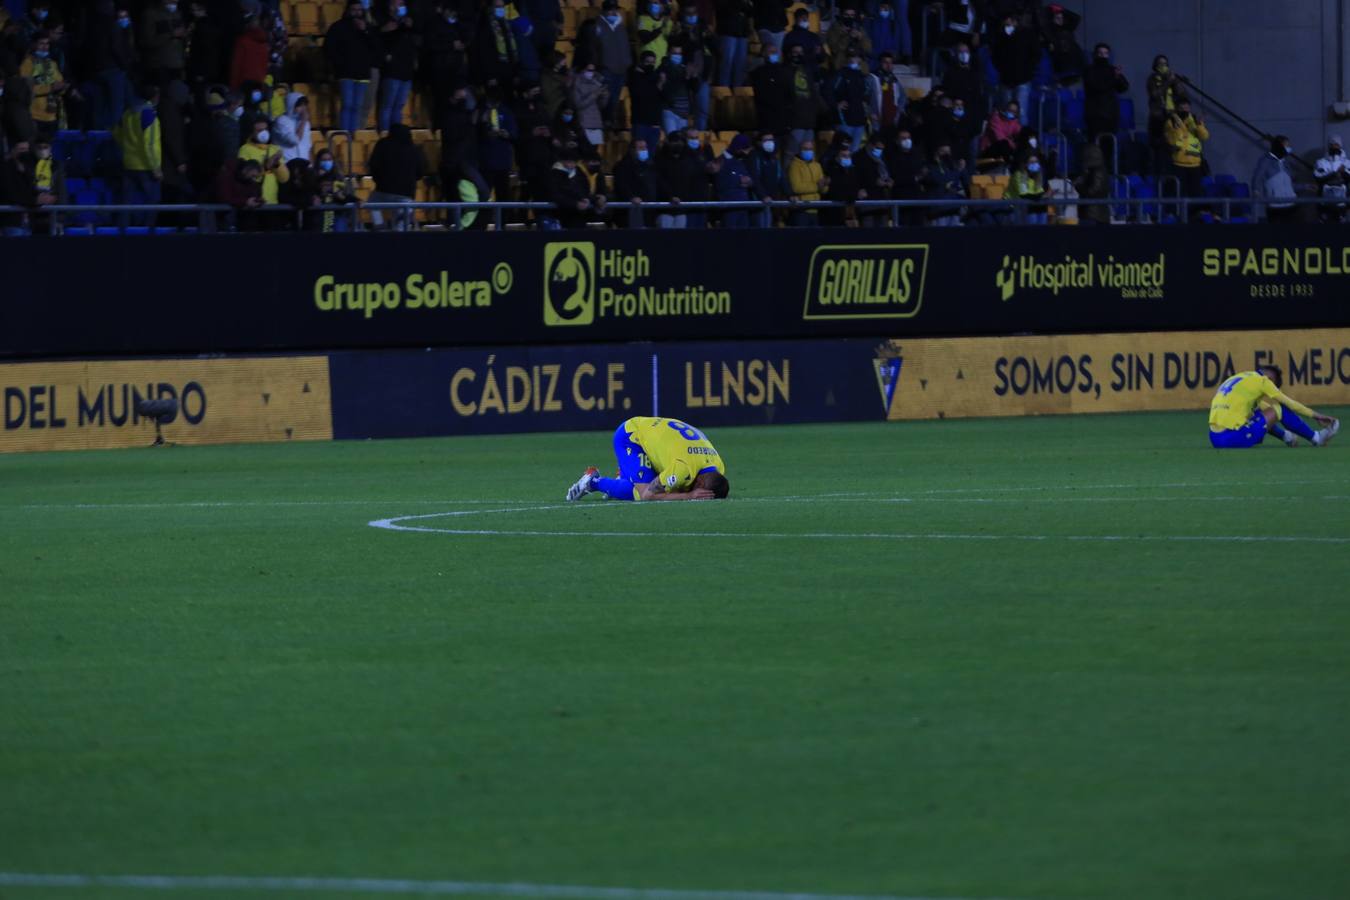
(292,132)
(396,165)
(1066,56)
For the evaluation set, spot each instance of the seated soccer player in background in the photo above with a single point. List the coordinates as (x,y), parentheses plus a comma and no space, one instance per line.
(659,459)
(1250,404)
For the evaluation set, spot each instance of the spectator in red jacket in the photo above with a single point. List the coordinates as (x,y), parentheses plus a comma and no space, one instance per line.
(252,54)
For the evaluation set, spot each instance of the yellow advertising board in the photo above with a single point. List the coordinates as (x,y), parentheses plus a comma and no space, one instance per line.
(1078,373)
(92,404)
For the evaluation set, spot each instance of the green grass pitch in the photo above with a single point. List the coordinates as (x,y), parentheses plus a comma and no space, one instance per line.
(911,666)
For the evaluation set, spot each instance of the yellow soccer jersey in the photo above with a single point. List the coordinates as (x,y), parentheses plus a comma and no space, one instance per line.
(675,451)
(1239,396)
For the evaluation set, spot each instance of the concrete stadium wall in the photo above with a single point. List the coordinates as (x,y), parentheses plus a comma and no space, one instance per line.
(1281,65)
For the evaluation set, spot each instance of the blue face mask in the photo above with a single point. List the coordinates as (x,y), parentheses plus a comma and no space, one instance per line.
(808,155)
(256,96)
(693,143)
(123,23)
(959,112)
(40,15)
(1009,115)
(451,18)
(846,162)
(804,23)
(1033,168)
(612,20)
(401,11)
(774,58)
(642,155)
(885,13)
(325,165)
(499,12)
(876,153)
(42,54)
(855,66)
(691,20)
(567,117)
(654,9)
(677,58)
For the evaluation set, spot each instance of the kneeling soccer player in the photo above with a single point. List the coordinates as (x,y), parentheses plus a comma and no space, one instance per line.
(1250,404)
(659,459)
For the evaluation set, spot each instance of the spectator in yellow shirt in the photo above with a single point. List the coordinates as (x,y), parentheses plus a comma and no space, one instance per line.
(258,150)
(1186,134)
(48,87)
(806,182)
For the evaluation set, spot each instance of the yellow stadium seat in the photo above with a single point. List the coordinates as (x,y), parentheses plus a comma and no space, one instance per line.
(319,140)
(330,11)
(303,17)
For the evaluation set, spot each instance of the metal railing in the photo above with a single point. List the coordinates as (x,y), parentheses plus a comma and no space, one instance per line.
(1168,207)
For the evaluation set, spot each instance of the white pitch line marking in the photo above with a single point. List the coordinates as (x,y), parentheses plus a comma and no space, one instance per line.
(407,886)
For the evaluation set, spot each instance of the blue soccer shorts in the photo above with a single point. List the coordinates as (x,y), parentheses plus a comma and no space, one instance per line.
(1249,435)
(630,455)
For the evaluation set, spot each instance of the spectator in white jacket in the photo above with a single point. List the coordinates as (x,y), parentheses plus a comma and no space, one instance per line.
(1333,176)
(291,132)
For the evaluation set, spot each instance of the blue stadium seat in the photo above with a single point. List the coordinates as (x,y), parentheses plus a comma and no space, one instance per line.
(75,185)
(130,229)
(1210,187)
(1075,114)
(79,230)
(1126,114)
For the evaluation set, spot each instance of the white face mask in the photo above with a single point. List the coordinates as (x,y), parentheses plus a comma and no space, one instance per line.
(1031,142)
(906,144)
(263,136)
(1009,29)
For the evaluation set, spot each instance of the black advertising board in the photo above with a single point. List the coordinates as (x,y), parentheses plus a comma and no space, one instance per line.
(231,293)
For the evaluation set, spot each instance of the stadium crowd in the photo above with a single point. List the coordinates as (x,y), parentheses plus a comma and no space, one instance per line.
(559,101)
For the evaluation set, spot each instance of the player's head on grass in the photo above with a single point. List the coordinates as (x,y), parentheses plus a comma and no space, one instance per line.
(715,482)
(1274,373)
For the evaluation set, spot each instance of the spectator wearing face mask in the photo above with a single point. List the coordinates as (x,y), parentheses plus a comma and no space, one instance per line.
(48,87)
(1016,52)
(1165,91)
(806,184)
(644,94)
(807,102)
(771,22)
(38,21)
(907,169)
(109,53)
(654,29)
(546,17)
(848,89)
(498,54)
(801,40)
(590,96)
(962,81)
(1028,183)
(555,83)
(679,178)
(767,175)
(733,182)
(844,186)
(445,59)
(1000,133)
(673,82)
(945,178)
(398,64)
(1103,83)
(1333,176)
(18,188)
(733,40)
(569,136)
(697,46)
(889,32)
(960,131)
(847,39)
(534,150)
(772,84)
(292,131)
(612,59)
(1186,135)
(875,177)
(258,149)
(636,181)
(138,136)
(252,56)
(163,41)
(240,185)
(1273,184)
(527,71)
(352,52)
